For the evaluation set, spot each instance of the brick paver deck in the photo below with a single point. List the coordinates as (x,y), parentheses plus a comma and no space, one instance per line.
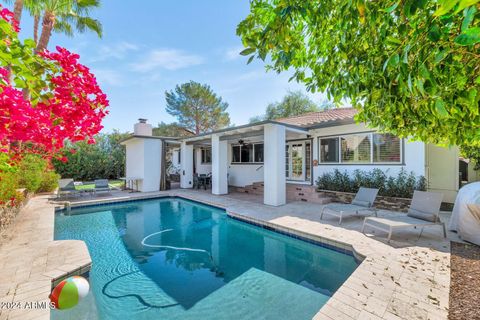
(408,278)
(31,262)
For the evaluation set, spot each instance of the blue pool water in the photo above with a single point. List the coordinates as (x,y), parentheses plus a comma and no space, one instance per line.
(176,259)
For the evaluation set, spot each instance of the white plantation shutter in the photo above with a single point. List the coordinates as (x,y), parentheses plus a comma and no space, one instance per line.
(386,148)
(356,148)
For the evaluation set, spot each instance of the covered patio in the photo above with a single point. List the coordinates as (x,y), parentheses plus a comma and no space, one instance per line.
(241,156)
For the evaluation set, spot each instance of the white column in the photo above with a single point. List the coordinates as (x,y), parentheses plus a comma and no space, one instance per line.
(219,165)
(274,179)
(186,173)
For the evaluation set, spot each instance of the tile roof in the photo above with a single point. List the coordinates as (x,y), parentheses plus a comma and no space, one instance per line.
(312,118)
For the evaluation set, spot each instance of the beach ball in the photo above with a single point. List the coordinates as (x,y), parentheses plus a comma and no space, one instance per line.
(69,292)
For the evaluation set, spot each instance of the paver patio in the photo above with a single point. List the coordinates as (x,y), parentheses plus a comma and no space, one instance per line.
(406,279)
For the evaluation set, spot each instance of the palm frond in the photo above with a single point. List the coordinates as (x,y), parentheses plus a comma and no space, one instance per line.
(62,26)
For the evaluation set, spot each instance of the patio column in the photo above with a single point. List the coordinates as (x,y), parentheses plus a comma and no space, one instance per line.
(219,165)
(274,179)
(186,174)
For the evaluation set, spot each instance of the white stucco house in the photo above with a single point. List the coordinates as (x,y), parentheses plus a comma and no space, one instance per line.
(287,152)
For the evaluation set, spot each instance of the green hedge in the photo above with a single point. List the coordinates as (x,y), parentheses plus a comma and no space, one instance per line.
(32,173)
(401,186)
(103,160)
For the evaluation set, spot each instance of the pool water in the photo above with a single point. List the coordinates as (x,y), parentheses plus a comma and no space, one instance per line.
(177,259)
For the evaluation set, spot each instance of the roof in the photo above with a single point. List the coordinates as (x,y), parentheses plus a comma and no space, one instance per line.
(133,136)
(315,118)
(245,126)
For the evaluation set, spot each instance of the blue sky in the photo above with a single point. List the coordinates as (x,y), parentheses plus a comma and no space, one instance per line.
(149,48)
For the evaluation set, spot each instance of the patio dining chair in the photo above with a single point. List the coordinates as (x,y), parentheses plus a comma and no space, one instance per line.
(101,185)
(363,202)
(423,212)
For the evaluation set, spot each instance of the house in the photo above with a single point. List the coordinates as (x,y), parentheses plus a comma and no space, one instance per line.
(288,154)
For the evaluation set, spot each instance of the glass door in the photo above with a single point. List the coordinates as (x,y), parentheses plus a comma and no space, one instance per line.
(298,163)
(298,157)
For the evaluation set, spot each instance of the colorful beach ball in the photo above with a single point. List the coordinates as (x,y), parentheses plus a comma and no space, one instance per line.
(69,292)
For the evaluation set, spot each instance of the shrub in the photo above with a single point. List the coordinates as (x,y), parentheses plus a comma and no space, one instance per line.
(8,187)
(30,172)
(49,181)
(401,186)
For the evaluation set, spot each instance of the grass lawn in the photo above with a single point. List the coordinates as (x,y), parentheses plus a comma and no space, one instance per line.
(91,185)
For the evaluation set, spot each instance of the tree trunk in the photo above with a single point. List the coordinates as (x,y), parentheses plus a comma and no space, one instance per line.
(36,21)
(47,27)
(17,10)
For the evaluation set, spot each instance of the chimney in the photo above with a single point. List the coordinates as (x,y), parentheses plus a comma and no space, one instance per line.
(142,128)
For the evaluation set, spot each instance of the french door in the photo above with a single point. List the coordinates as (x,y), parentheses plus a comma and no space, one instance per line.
(297,164)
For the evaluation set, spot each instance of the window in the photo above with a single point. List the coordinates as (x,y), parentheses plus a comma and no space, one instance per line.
(206,155)
(329,150)
(356,148)
(386,148)
(236,153)
(258,153)
(179,156)
(247,153)
(308,159)
(361,148)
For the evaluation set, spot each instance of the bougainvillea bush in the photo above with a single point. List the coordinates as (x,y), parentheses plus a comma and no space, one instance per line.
(46,99)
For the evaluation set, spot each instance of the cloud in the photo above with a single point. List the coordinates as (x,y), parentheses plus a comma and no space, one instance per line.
(233,53)
(109,77)
(169,59)
(115,51)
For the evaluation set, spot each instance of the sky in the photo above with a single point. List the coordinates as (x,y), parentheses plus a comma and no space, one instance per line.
(149,48)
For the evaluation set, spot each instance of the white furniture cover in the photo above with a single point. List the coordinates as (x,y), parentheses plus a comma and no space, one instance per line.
(465,219)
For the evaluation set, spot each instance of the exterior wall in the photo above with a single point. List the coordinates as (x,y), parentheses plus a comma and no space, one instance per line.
(204,168)
(241,175)
(143,162)
(134,160)
(473,175)
(413,154)
(442,171)
(152,160)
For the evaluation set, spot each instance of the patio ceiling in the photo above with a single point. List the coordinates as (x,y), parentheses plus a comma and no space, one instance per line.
(252,131)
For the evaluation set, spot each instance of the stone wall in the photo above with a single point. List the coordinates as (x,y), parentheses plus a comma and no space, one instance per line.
(387,203)
(8,214)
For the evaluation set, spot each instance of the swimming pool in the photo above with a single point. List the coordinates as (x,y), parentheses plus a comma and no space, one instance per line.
(172,258)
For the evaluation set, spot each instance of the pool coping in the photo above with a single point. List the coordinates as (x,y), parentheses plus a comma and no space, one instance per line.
(33,263)
(390,282)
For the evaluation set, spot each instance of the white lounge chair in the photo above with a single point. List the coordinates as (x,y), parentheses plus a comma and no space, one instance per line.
(101,185)
(423,212)
(363,202)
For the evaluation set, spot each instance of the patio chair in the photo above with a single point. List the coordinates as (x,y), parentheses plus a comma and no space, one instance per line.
(363,202)
(101,185)
(423,212)
(66,187)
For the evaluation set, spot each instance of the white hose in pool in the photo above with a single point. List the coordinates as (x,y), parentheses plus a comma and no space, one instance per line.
(168,247)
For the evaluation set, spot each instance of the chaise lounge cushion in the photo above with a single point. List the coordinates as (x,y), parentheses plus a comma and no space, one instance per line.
(422,215)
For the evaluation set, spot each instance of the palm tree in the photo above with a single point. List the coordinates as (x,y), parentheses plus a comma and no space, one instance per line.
(63,16)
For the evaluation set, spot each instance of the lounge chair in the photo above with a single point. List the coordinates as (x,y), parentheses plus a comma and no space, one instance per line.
(363,202)
(101,185)
(423,212)
(66,187)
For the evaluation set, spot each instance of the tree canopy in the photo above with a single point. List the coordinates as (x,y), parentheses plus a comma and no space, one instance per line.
(197,107)
(171,130)
(410,67)
(294,103)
